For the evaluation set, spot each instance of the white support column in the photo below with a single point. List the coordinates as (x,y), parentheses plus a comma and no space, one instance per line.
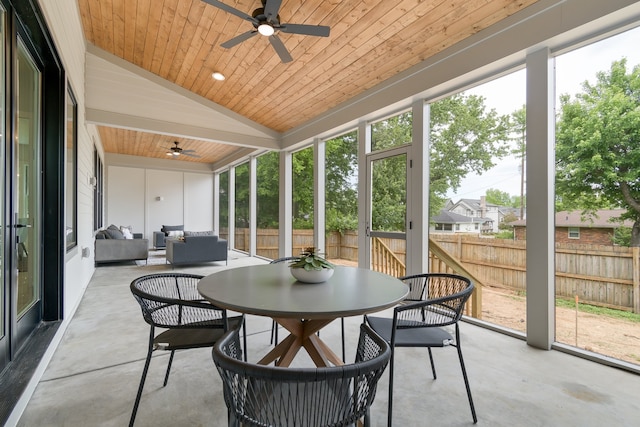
(364,148)
(285,243)
(418,192)
(540,173)
(253,203)
(319,178)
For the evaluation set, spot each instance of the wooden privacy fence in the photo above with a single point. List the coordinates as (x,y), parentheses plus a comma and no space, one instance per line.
(607,276)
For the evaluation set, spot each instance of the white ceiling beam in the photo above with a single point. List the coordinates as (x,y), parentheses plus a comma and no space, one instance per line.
(163,127)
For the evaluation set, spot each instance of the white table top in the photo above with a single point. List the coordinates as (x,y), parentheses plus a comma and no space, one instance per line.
(270,290)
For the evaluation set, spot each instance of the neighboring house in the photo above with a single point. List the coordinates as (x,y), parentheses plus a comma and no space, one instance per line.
(572,227)
(451,222)
(488,214)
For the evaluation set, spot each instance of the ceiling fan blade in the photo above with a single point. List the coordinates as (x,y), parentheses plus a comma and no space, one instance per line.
(271,9)
(190,155)
(232,10)
(238,39)
(307,30)
(280,49)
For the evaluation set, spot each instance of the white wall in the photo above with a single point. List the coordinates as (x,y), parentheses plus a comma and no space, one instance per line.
(63,20)
(149,198)
(198,200)
(169,185)
(124,204)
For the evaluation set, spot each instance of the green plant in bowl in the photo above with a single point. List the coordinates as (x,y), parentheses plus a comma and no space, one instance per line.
(310,260)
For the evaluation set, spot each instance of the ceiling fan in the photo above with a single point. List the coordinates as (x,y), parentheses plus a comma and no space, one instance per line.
(177,151)
(266,21)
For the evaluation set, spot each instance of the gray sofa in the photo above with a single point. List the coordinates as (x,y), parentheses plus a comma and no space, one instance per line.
(111,246)
(196,247)
(160,237)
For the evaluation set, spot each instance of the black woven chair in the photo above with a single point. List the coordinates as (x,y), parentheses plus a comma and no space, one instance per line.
(435,300)
(171,301)
(259,395)
(274,325)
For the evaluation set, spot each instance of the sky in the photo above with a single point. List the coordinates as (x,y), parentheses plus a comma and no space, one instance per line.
(507,94)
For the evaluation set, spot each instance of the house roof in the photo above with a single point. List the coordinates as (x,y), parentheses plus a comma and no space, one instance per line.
(604,218)
(447,217)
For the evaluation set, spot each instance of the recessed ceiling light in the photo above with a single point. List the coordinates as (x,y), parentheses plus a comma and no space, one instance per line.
(218,76)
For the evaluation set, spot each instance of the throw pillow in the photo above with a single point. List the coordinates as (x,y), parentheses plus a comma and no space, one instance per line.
(126,232)
(175,233)
(114,233)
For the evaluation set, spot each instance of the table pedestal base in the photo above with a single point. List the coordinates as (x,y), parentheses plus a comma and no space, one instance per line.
(302,334)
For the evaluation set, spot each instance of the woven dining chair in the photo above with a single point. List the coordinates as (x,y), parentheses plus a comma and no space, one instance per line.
(260,395)
(171,301)
(274,324)
(435,300)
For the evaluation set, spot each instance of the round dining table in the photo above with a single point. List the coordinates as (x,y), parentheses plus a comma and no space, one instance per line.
(301,308)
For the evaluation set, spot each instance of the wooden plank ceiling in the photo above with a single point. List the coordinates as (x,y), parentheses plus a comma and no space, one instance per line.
(370,41)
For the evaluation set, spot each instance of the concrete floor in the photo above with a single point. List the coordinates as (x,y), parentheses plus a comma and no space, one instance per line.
(94,374)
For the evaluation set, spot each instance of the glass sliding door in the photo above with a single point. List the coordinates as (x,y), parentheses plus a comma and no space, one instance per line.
(4,296)
(27,190)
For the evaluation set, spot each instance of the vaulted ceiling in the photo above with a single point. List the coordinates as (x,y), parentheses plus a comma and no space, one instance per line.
(370,41)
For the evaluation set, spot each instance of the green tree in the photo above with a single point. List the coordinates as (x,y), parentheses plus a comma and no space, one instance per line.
(267,189)
(242,196)
(498,197)
(224,200)
(341,192)
(465,137)
(622,236)
(303,194)
(598,146)
(507,220)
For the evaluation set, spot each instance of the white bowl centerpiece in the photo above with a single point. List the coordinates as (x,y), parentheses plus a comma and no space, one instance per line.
(311,267)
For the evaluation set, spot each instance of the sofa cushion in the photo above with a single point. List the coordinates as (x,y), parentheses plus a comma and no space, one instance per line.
(198,233)
(167,228)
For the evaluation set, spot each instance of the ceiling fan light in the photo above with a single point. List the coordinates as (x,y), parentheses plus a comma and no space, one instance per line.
(266,29)
(218,76)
